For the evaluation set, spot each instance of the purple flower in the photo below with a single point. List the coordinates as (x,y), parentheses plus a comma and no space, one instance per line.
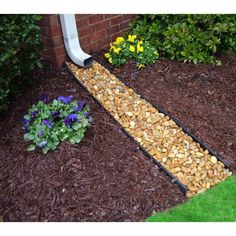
(72,117)
(90,119)
(80,106)
(41,133)
(65,100)
(43,144)
(43,98)
(69,119)
(25,123)
(86,114)
(67,122)
(55,114)
(47,123)
(34,113)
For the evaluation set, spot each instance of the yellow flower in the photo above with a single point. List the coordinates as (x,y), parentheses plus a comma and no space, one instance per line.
(140,42)
(117,50)
(131,38)
(110,60)
(107,55)
(140,66)
(132,48)
(156,53)
(119,40)
(139,48)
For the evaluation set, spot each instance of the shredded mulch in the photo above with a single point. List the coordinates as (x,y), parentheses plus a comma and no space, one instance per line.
(201,96)
(104,178)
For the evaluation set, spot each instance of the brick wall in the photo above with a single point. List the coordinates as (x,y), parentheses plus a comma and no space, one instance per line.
(95,32)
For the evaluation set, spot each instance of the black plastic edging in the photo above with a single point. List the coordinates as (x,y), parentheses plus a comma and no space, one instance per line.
(183,187)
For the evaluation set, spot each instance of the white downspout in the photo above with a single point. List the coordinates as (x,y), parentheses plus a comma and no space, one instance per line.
(71,41)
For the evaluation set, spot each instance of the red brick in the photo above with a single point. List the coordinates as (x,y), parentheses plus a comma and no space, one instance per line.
(59,51)
(85,41)
(60,60)
(124,25)
(128,16)
(55,30)
(114,36)
(93,46)
(54,20)
(83,22)
(80,16)
(53,42)
(94,37)
(86,48)
(116,20)
(95,18)
(84,32)
(113,29)
(103,42)
(105,47)
(108,16)
(45,31)
(58,41)
(102,25)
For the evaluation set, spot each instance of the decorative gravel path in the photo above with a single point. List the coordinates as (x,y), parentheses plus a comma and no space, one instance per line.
(159,135)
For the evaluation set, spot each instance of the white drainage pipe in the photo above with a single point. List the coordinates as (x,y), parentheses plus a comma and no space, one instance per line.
(71,41)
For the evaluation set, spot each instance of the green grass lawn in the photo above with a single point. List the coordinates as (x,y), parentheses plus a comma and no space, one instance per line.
(215,204)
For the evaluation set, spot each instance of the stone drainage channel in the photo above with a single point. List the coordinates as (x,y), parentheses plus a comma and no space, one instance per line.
(184,157)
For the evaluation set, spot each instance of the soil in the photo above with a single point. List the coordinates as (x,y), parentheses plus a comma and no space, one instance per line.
(104,178)
(201,96)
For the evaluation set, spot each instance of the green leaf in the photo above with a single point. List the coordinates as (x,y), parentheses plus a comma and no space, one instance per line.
(31,148)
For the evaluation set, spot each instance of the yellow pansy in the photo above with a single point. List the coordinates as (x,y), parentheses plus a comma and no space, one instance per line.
(139,48)
(110,60)
(132,48)
(131,38)
(107,55)
(140,42)
(117,50)
(156,53)
(140,66)
(119,40)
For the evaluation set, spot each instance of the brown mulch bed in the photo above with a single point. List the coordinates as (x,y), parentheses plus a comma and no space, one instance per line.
(104,178)
(203,97)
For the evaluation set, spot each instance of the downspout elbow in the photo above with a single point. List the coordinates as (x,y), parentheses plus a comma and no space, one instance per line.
(71,41)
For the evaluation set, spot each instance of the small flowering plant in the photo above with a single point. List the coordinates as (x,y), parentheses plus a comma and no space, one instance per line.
(49,123)
(124,49)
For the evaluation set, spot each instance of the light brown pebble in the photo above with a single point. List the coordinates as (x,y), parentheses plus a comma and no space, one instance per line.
(213,160)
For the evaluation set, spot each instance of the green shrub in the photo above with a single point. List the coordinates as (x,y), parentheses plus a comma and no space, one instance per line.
(193,38)
(131,47)
(49,123)
(20,47)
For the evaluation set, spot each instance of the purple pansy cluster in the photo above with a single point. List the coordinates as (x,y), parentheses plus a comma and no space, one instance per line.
(47,118)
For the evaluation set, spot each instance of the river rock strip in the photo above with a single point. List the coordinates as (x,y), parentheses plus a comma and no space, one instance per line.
(158,134)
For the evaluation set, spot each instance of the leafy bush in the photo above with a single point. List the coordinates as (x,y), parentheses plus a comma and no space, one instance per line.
(47,124)
(131,47)
(20,47)
(194,38)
